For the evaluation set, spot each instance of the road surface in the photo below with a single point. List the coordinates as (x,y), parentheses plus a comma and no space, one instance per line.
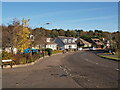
(91,71)
(82,69)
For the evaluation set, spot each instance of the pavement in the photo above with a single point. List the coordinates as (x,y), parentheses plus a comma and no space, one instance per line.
(82,69)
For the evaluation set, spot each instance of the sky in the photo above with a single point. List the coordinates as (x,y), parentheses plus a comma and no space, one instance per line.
(64,15)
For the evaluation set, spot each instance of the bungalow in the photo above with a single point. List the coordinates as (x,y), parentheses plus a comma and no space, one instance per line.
(66,42)
(50,44)
(83,43)
(97,43)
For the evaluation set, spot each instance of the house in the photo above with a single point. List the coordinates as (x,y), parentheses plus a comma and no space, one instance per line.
(66,42)
(97,43)
(9,49)
(107,44)
(83,43)
(50,43)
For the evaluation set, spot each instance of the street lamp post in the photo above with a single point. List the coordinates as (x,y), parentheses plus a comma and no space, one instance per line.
(43,35)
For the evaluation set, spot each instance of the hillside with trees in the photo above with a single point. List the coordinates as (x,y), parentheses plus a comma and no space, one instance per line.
(9,32)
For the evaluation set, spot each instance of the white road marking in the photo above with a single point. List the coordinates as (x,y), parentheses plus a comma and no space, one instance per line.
(67,72)
(60,66)
(64,69)
(69,69)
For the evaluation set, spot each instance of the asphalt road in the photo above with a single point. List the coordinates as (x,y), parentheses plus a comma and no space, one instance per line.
(91,71)
(46,73)
(71,70)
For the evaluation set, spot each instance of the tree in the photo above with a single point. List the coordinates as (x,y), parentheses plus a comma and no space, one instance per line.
(15,22)
(54,33)
(90,33)
(72,33)
(39,36)
(67,33)
(21,38)
(48,33)
(61,32)
(5,39)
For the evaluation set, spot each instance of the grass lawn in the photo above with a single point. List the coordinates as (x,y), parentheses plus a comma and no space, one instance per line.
(118,54)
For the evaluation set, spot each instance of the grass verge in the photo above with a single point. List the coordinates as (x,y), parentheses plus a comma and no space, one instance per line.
(108,57)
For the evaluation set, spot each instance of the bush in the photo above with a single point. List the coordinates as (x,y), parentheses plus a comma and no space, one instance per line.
(49,50)
(57,51)
(46,52)
(22,60)
(35,56)
(25,58)
(6,55)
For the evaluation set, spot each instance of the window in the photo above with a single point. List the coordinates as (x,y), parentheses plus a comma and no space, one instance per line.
(65,40)
(69,40)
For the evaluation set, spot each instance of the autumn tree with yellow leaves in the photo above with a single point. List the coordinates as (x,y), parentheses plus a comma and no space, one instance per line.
(21,38)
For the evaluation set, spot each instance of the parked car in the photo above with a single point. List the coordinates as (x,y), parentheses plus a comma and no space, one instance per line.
(80,49)
(93,48)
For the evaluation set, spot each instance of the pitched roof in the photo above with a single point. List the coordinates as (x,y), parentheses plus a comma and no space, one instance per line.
(69,43)
(62,37)
(51,41)
(84,42)
(97,41)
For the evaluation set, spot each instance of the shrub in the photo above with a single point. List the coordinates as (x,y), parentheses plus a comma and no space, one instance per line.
(23,60)
(46,52)
(69,50)
(57,51)
(6,55)
(35,56)
(49,50)
(19,58)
